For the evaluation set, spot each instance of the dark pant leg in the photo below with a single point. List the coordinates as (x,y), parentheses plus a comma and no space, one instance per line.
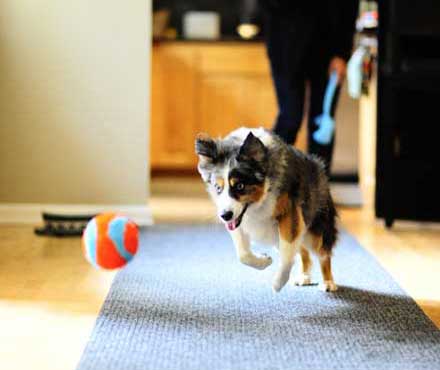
(290,109)
(286,51)
(318,83)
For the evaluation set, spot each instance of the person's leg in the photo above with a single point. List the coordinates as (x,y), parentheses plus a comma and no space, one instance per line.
(285,49)
(290,108)
(318,84)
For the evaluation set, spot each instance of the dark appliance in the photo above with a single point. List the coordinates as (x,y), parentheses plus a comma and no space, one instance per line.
(408,106)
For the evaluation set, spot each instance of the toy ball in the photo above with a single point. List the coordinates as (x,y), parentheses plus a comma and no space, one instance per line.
(110,241)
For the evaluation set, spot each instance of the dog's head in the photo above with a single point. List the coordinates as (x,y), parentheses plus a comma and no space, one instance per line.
(235,173)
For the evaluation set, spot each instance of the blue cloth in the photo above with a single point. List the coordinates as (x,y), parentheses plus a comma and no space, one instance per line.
(325,121)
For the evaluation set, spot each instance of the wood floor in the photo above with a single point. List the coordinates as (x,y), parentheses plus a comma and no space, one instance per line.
(410,252)
(49,296)
(49,299)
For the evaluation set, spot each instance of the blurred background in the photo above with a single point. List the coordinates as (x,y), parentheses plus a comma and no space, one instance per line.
(211,73)
(100,103)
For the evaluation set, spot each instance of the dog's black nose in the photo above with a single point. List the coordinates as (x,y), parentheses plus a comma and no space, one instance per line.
(227,216)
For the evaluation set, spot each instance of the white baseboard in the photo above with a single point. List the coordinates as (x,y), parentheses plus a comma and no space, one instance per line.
(30,213)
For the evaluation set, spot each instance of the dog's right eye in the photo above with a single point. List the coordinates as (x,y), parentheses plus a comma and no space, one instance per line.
(218,188)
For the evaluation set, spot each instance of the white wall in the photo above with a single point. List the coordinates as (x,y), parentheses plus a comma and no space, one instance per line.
(74,101)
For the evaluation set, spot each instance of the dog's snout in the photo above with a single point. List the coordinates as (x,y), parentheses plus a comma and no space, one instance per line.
(227,215)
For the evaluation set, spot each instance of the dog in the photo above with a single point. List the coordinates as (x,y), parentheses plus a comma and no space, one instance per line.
(270,192)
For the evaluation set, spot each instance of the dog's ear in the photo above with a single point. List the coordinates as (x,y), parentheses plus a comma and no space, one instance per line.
(206,148)
(252,149)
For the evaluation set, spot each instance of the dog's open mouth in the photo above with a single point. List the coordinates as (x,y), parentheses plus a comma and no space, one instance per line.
(232,225)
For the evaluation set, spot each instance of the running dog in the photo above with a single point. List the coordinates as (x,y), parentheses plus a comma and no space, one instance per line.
(270,192)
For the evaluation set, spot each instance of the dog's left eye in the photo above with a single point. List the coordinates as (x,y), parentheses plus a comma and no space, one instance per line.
(240,186)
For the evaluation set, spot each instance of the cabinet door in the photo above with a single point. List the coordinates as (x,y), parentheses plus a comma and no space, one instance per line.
(231,101)
(235,89)
(206,87)
(173,107)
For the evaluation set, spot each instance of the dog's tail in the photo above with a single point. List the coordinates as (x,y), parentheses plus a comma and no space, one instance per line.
(325,224)
(330,234)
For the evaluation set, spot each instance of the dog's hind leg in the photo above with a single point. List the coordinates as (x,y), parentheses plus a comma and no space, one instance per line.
(291,229)
(328,284)
(244,252)
(325,259)
(306,263)
(324,233)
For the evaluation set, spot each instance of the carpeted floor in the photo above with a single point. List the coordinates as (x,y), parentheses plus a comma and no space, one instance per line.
(186,303)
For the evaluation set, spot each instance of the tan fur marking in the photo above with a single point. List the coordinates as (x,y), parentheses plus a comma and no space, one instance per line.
(291,224)
(232,181)
(282,207)
(316,244)
(324,257)
(256,193)
(286,226)
(220,182)
(326,268)
(305,260)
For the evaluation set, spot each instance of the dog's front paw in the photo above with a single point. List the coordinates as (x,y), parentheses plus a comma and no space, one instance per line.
(279,281)
(259,262)
(328,286)
(263,261)
(302,280)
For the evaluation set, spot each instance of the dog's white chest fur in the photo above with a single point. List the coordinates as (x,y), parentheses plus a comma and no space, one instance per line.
(258,223)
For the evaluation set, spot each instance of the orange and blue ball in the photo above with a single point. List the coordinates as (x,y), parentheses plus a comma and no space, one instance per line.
(110,241)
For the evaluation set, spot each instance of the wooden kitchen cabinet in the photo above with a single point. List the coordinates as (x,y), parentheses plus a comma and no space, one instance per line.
(173,118)
(212,87)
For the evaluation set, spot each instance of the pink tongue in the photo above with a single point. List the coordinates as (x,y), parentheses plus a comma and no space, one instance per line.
(231,225)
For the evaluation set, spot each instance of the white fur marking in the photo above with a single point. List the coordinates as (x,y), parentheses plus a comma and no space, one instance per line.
(302,280)
(244,252)
(224,201)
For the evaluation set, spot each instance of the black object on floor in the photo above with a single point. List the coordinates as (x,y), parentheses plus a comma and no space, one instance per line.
(63,225)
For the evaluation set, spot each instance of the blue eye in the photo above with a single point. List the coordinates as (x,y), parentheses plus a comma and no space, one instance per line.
(218,188)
